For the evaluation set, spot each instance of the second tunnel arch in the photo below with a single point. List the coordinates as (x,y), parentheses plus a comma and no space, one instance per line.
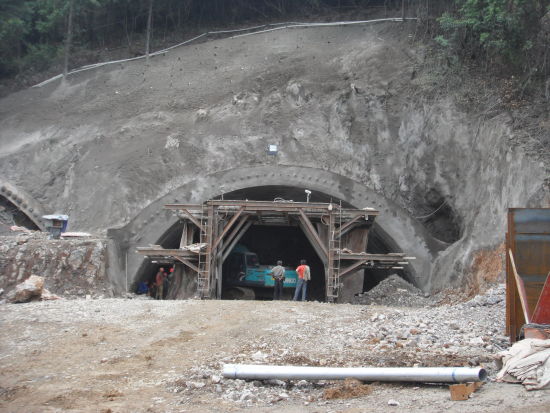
(394,225)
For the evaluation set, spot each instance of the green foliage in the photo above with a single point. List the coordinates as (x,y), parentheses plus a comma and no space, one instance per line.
(442,41)
(501,32)
(32,31)
(39,57)
(497,32)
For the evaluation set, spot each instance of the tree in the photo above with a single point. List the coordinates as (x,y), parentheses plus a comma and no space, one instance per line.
(69,39)
(495,32)
(149,22)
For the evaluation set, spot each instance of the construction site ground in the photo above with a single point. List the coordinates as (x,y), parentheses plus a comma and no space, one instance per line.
(141,355)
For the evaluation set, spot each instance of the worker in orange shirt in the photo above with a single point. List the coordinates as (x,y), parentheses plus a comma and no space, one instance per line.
(304,275)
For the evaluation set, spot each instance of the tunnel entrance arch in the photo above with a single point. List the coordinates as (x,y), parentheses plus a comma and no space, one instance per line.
(395,226)
(18,208)
(241,240)
(337,234)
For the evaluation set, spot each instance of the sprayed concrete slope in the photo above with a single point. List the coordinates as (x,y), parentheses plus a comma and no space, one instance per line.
(114,144)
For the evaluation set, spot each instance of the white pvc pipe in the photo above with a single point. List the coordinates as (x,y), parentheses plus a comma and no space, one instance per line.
(289,25)
(411,374)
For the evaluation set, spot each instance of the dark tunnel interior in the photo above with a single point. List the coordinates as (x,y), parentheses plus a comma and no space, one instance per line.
(287,243)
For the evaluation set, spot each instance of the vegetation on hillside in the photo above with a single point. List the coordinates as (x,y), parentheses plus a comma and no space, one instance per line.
(508,36)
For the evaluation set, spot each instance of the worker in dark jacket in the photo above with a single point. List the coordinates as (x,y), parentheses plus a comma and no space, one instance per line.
(161,275)
(278,274)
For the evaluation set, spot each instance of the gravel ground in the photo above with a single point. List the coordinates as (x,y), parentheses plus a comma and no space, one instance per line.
(141,355)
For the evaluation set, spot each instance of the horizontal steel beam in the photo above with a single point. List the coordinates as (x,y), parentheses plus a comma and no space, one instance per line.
(275,206)
(161,252)
(372,257)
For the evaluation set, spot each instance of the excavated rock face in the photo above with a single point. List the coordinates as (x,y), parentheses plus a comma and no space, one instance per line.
(111,145)
(65,267)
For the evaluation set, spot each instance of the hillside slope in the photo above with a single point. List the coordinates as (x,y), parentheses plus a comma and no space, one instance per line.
(111,145)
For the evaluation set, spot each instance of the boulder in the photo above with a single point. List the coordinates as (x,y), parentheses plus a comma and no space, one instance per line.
(28,290)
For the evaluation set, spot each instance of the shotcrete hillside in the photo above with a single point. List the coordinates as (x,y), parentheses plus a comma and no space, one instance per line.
(346,106)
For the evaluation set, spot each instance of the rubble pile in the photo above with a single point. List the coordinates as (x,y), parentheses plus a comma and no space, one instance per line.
(464,334)
(170,354)
(393,291)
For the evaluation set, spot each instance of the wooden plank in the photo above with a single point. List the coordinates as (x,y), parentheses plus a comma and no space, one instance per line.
(313,243)
(351,268)
(462,391)
(348,226)
(177,207)
(212,226)
(193,219)
(231,236)
(188,263)
(161,252)
(520,288)
(227,228)
(309,226)
(238,236)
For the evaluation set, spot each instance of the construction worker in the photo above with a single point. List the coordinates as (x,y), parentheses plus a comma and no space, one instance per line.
(278,274)
(160,283)
(304,275)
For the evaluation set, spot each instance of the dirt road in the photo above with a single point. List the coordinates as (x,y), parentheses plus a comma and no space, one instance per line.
(121,355)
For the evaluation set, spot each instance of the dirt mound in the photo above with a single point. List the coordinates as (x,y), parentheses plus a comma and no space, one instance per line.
(393,291)
(348,389)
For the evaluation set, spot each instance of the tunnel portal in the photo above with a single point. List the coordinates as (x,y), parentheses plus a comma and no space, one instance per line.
(288,243)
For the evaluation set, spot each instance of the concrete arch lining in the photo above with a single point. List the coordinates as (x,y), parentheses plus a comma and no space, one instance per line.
(23,201)
(394,224)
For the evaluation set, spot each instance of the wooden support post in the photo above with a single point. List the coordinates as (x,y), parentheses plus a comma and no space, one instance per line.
(309,227)
(213,219)
(184,234)
(352,267)
(236,238)
(285,214)
(219,263)
(188,263)
(347,226)
(231,236)
(331,283)
(322,255)
(193,219)
(227,228)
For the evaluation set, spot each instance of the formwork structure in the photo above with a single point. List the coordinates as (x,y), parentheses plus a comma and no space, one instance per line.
(220,224)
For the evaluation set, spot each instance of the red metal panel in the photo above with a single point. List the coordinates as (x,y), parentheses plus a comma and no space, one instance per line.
(541,315)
